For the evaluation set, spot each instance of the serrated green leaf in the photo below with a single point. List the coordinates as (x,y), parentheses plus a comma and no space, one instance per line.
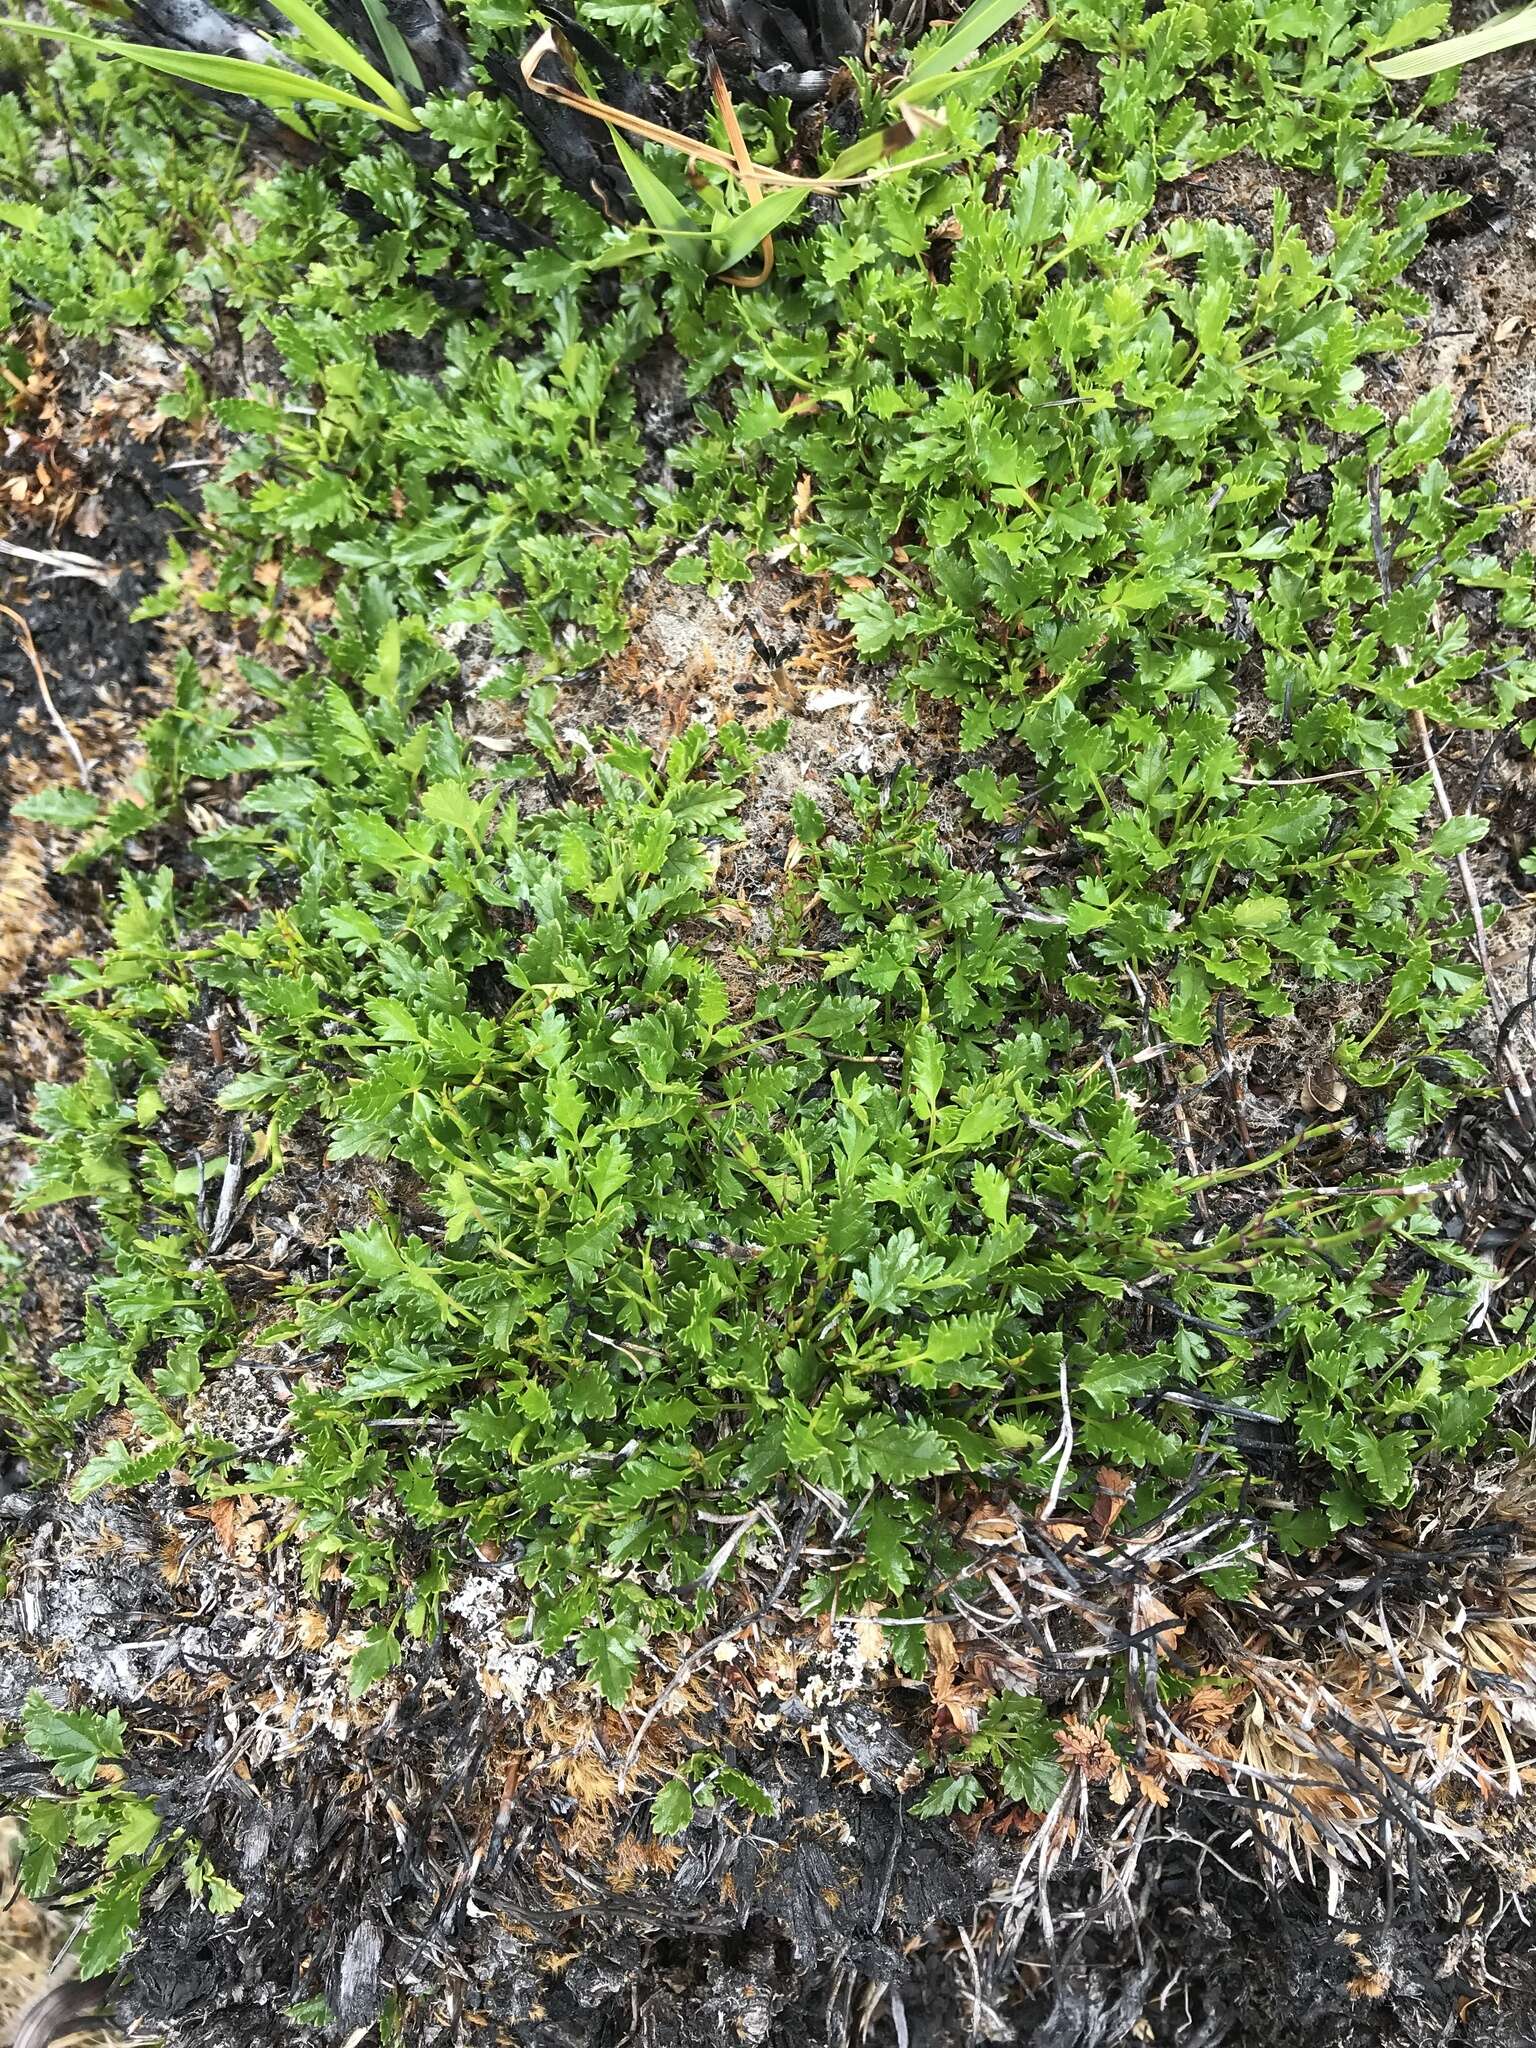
(76,1744)
(612,1654)
(671,1809)
(378,1654)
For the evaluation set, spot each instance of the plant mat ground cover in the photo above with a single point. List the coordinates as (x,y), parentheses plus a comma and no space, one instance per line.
(710,1378)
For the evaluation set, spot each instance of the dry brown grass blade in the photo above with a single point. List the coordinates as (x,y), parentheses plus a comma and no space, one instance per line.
(52,709)
(766,176)
(24,892)
(636,125)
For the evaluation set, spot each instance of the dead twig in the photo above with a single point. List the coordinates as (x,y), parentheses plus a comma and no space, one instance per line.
(65,562)
(1063,1442)
(978,2004)
(1463,865)
(29,646)
(696,1658)
(230,1208)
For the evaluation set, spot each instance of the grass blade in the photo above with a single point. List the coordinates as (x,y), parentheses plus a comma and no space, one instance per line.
(397,53)
(743,232)
(330,44)
(663,209)
(979,21)
(882,153)
(730,121)
(268,83)
(1504,32)
(918,92)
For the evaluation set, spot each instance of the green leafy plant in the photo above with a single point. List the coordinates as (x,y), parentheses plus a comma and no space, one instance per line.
(26,1425)
(1014,1747)
(130,1847)
(110,236)
(870,1228)
(281,76)
(705,1781)
(893,1199)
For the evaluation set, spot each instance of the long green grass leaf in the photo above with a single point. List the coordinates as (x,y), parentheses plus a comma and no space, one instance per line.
(663,208)
(933,85)
(742,233)
(396,51)
(330,44)
(895,148)
(1505,32)
(979,21)
(268,83)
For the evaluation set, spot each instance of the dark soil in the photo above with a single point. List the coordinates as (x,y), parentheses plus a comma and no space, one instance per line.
(469,1846)
(88,472)
(92,650)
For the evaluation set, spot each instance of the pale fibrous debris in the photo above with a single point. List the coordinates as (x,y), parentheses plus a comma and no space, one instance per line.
(1352,1713)
(485,1617)
(1320,1725)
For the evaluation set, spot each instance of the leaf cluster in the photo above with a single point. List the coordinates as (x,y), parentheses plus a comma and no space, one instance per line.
(127,1849)
(688,1224)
